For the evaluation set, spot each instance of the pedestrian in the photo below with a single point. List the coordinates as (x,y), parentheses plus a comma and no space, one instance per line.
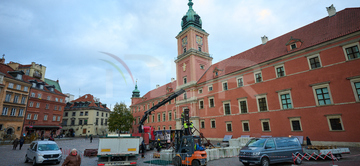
(22,140)
(73,159)
(15,143)
(158,145)
(91,138)
(42,137)
(308,142)
(143,149)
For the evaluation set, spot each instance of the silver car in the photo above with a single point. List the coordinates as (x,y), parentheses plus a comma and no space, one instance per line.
(43,152)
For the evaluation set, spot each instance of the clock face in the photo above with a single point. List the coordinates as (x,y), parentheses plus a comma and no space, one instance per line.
(199,40)
(184,41)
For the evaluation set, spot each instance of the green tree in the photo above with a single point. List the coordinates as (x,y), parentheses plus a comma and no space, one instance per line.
(121,118)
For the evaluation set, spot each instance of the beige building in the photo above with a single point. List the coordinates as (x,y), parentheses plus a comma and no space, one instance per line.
(85,116)
(14,92)
(32,70)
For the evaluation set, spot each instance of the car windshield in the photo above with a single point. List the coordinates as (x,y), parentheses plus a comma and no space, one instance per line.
(256,142)
(47,147)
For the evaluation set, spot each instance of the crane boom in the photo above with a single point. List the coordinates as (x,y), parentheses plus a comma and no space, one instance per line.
(148,112)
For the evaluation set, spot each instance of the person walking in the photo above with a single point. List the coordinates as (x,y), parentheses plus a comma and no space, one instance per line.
(22,140)
(91,138)
(73,159)
(15,143)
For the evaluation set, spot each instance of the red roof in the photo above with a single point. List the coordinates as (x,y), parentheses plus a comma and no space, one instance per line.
(24,66)
(89,98)
(343,23)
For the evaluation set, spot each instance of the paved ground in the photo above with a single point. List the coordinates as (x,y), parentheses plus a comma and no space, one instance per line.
(11,157)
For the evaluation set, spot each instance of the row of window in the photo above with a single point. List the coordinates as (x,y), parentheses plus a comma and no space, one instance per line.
(85,122)
(134,109)
(334,122)
(15,99)
(169,114)
(35,117)
(86,114)
(13,112)
(58,108)
(17,87)
(39,95)
(321,92)
(351,51)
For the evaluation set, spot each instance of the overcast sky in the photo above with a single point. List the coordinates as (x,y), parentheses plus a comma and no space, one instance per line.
(71,37)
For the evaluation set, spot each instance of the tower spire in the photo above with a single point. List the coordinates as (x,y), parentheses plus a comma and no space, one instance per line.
(190,4)
(136,92)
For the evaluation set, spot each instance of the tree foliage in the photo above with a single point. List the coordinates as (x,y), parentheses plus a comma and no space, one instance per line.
(121,118)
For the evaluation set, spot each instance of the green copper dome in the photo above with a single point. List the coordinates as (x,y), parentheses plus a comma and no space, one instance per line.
(136,92)
(191,18)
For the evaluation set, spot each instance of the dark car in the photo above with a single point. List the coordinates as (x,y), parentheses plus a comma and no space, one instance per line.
(271,150)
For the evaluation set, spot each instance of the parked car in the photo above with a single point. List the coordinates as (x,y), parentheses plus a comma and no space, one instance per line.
(271,150)
(43,152)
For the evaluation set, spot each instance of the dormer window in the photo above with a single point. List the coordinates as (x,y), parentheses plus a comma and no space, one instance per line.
(19,76)
(34,84)
(293,43)
(293,46)
(216,73)
(41,86)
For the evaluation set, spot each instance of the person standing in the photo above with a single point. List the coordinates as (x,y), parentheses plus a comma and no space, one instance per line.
(182,117)
(143,149)
(15,143)
(191,127)
(91,138)
(158,145)
(186,128)
(73,159)
(22,140)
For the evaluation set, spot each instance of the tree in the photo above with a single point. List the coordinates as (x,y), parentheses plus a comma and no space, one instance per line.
(121,118)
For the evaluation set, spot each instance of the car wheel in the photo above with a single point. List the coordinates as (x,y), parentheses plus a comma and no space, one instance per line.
(26,159)
(177,161)
(298,161)
(34,162)
(195,163)
(246,164)
(265,162)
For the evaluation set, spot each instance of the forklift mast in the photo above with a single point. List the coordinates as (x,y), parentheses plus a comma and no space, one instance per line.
(148,112)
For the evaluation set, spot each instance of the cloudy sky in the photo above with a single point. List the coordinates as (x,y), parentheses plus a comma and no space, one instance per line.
(75,38)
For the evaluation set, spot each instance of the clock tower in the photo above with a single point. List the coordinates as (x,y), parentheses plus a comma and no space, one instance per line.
(193,52)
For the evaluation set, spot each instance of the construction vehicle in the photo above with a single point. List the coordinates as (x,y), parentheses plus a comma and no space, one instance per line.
(149,137)
(118,150)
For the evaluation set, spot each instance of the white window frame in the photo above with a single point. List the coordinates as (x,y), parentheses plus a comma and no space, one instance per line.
(322,85)
(240,100)
(54,118)
(18,87)
(312,56)
(277,66)
(288,91)
(350,45)
(328,117)
(26,88)
(213,101)
(28,116)
(45,117)
(295,119)
(200,91)
(13,112)
(31,104)
(227,85)
(211,120)
(202,100)
(164,127)
(169,115)
(58,118)
(257,72)
(48,97)
(226,126)
(164,116)
(32,94)
(21,112)
(237,81)
(227,102)
(292,45)
(202,121)
(262,125)
(5,111)
(257,102)
(39,95)
(242,124)
(158,117)
(352,81)
(210,86)
(37,105)
(35,116)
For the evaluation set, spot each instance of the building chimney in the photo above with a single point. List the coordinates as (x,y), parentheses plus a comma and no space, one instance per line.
(172,79)
(157,86)
(2,60)
(331,10)
(264,39)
